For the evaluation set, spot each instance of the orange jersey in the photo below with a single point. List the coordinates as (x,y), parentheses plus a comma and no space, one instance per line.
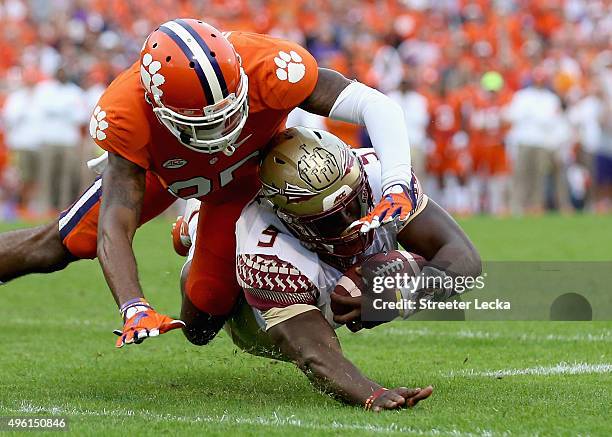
(485,122)
(347,132)
(487,131)
(281,76)
(446,121)
(446,114)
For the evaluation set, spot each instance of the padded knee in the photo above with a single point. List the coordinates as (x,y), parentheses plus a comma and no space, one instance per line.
(201,331)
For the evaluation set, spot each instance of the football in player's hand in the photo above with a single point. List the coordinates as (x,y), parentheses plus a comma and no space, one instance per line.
(352,285)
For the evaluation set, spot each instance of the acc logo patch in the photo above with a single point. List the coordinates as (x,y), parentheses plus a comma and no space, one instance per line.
(174,163)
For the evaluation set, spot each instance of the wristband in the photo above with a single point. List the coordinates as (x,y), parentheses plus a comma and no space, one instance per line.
(133,306)
(370,401)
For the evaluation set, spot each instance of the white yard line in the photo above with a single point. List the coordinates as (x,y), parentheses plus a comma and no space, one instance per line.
(557,369)
(603,336)
(228,419)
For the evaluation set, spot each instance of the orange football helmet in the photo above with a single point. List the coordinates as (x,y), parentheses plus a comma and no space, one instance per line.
(194,80)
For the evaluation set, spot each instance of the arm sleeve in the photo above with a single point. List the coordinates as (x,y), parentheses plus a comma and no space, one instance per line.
(384,120)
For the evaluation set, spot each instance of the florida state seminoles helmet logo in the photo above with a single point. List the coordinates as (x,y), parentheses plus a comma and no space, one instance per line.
(318,168)
(319,189)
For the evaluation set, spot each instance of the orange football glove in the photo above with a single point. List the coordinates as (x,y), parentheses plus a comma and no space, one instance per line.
(143,322)
(396,205)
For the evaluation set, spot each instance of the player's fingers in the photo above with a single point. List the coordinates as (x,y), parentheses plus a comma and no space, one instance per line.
(129,337)
(388,219)
(395,398)
(120,341)
(174,324)
(405,214)
(393,215)
(355,224)
(365,228)
(423,394)
(389,401)
(348,317)
(407,392)
(140,335)
(375,223)
(349,301)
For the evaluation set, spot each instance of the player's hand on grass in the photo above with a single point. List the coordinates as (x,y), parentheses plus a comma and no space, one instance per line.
(395,206)
(396,398)
(141,321)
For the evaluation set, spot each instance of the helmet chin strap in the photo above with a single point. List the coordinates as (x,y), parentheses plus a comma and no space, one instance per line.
(229,150)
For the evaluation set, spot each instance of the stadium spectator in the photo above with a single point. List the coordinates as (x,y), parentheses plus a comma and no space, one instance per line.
(443,46)
(535,117)
(586,116)
(487,130)
(62,115)
(23,135)
(603,163)
(416,113)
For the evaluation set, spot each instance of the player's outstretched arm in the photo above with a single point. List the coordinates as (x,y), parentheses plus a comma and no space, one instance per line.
(124,184)
(436,236)
(309,341)
(337,97)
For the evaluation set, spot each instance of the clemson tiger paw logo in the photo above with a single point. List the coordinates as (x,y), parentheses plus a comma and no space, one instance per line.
(98,124)
(150,76)
(290,66)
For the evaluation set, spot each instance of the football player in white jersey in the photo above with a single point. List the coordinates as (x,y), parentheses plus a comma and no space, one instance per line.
(295,241)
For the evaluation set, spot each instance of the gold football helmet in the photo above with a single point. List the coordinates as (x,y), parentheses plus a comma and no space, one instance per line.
(319,188)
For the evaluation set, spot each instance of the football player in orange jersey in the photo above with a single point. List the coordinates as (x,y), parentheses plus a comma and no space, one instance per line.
(487,130)
(449,160)
(189,120)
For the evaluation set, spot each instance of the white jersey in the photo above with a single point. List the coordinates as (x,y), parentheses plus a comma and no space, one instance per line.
(282,278)
(278,272)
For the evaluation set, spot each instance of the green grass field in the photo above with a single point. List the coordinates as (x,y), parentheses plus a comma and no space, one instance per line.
(521,378)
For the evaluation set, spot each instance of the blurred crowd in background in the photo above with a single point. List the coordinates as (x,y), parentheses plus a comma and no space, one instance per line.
(508,102)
